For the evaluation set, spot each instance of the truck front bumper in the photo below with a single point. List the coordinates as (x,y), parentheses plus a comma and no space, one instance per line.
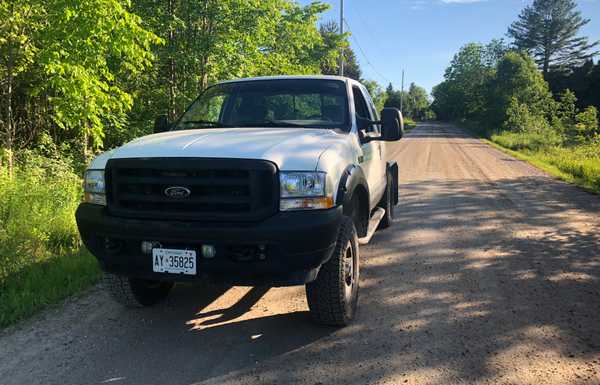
(293,246)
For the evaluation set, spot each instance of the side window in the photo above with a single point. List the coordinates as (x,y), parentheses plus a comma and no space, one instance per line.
(360,104)
(374,112)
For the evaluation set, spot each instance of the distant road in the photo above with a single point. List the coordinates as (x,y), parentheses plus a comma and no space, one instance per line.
(490,275)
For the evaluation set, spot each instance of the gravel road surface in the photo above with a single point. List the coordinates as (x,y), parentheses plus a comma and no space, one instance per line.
(489,275)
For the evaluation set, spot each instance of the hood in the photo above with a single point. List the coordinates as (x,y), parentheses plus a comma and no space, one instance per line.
(289,148)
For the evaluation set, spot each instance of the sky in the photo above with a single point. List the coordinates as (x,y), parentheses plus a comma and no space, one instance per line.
(422,36)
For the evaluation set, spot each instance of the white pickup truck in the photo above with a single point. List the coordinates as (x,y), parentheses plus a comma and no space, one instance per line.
(267,181)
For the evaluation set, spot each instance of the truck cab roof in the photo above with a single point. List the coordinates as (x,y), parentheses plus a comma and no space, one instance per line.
(290,77)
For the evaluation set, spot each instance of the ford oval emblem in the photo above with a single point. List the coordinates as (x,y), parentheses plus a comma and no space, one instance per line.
(177,192)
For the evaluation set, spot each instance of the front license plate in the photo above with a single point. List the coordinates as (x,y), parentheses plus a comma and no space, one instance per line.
(174,261)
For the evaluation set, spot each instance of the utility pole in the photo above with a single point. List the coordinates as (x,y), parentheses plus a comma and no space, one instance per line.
(341,33)
(402,94)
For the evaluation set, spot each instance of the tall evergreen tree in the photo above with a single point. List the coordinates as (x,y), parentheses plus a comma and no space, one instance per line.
(548,30)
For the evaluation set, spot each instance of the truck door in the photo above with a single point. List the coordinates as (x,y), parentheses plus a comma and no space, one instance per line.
(371,159)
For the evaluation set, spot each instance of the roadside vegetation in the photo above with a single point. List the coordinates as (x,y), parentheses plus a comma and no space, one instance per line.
(542,104)
(40,256)
(84,76)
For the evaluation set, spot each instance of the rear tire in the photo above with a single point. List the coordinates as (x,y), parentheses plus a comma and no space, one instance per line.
(134,292)
(333,297)
(387,204)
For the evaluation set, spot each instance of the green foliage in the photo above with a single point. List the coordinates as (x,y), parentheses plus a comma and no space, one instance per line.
(85,48)
(566,109)
(43,283)
(587,124)
(583,81)
(220,40)
(414,103)
(517,80)
(528,140)
(36,215)
(464,94)
(417,102)
(548,30)
(377,94)
(520,118)
(65,62)
(40,257)
(335,43)
(576,164)
(409,124)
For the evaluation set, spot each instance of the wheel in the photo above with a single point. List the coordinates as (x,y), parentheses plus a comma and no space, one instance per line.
(387,205)
(133,292)
(333,297)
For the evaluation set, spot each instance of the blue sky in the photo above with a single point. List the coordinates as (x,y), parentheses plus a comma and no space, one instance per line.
(421,36)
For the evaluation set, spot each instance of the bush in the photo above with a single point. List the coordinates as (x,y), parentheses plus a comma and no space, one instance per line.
(587,124)
(520,118)
(409,124)
(37,212)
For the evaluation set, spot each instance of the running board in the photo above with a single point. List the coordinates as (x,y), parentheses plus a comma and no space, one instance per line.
(373,224)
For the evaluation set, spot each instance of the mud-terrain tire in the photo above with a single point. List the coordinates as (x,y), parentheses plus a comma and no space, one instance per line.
(333,297)
(387,204)
(133,292)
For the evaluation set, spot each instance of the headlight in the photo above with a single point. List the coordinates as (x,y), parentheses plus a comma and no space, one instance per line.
(304,191)
(93,187)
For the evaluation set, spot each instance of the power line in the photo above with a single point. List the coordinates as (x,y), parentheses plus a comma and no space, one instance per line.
(362,51)
(372,38)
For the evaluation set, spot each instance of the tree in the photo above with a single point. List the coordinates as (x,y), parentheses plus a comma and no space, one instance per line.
(584,81)
(548,30)
(566,108)
(393,98)
(330,32)
(64,62)
(220,40)
(377,94)
(417,102)
(463,94)
(587,124)
(518,82)
(19,21)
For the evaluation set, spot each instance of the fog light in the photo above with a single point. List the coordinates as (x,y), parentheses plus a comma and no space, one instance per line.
(209,251)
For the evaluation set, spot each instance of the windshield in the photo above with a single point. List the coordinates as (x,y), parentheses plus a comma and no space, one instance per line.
(310,103)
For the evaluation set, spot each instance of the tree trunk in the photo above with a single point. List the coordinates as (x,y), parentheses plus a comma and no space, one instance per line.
(10,125)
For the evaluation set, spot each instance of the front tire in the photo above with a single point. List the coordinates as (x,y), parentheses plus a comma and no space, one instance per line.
(134,292)
(333,297)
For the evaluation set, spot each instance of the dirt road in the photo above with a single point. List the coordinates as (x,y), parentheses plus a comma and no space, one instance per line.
(490,275)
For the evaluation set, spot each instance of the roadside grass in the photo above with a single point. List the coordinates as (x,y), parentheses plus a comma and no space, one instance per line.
(38,285)
(576,164)
(409,124)
(42,260)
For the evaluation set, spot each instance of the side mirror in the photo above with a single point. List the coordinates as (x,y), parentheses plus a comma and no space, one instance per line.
(392,124)
(161,124)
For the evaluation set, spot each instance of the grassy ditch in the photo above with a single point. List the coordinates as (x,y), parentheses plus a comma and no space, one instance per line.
(576,163)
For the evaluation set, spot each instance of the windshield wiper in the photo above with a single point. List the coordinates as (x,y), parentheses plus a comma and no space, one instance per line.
(208,123)
(269,123)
